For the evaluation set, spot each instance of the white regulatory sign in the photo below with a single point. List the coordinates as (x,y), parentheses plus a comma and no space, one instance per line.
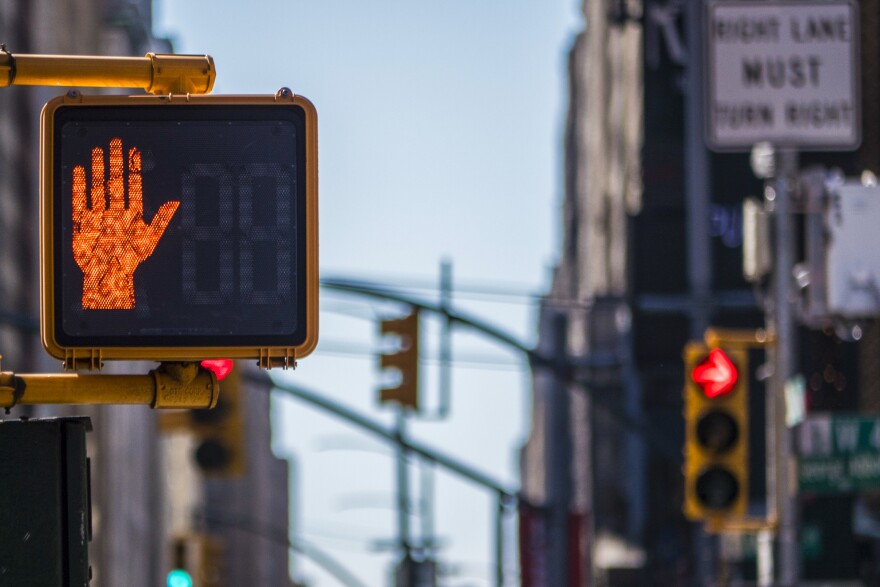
(783,72)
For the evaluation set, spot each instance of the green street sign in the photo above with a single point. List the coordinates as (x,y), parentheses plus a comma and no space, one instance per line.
(838,453)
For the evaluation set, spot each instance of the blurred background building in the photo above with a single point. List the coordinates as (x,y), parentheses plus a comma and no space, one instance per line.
(652,256)
(152,505)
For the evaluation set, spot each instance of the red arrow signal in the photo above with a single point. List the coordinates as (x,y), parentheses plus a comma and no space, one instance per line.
(716,374)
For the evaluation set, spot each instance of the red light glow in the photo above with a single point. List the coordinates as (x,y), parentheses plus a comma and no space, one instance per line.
(716,374)
(220,367)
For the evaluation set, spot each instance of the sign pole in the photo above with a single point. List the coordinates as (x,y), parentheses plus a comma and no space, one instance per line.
(782,321)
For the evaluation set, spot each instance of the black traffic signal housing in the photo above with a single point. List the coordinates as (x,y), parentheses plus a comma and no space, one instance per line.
(45,502)
(404,360)
(220,439)
(716,448)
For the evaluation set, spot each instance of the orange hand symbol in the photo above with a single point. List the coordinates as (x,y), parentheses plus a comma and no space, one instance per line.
(109,242)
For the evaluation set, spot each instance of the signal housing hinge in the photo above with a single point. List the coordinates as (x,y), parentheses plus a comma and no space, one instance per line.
(287,360)
(83,360)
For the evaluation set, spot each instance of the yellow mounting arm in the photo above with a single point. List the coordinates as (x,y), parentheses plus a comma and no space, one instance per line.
(157,74)
(172,385)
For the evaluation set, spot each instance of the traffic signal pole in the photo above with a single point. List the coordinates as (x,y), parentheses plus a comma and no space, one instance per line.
(402,482)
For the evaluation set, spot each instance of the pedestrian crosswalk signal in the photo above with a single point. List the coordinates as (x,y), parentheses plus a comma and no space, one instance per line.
(179,227)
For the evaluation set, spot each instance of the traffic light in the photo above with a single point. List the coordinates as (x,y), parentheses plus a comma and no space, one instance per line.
(179,227)
(182,563)
(178,578)
(219,432)
(716,432)
(197,560)
(405,361)
(416,573)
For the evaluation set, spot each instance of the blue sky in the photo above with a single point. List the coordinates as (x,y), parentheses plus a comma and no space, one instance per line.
(440,132)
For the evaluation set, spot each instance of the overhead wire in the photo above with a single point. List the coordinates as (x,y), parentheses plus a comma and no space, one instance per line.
(350,350)
(469,290)
(279,536)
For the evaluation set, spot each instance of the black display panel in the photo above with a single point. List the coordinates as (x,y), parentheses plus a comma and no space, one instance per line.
(179,226)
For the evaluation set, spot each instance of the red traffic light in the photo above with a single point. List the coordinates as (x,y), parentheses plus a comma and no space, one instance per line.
(220,367)
(716,374)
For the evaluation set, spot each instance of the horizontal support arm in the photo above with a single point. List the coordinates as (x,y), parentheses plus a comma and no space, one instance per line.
(739,337)
(172,385)
(742,525)
(155,73)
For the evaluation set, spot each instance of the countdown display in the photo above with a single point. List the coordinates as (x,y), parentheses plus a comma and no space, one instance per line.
(179,228)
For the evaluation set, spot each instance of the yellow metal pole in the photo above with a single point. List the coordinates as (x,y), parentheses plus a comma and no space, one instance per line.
(155,73)
(172,385)
(86,389)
